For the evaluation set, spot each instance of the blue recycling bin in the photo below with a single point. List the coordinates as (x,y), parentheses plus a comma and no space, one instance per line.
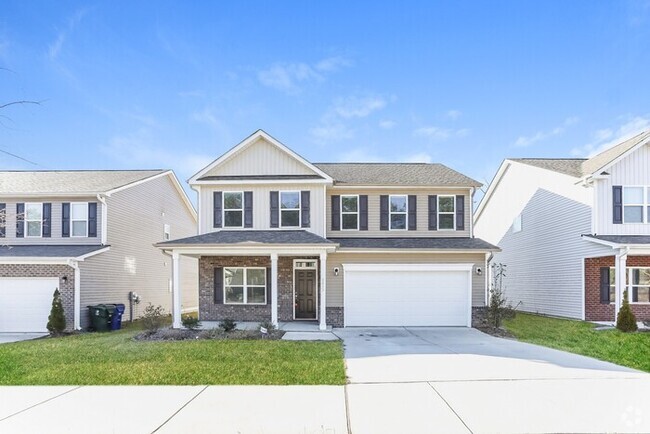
(116,319)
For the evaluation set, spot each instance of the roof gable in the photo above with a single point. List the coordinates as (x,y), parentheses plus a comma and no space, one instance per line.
(259,155)
(603,161)
(566,166)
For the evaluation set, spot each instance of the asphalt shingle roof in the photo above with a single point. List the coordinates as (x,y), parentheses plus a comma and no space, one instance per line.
(622,239)
(415,243)
(73,181)
(47,251)
(416,174)
(242,237)
(598,161)
(567,166)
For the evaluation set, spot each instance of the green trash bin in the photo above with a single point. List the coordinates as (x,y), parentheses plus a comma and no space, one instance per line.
(100,316)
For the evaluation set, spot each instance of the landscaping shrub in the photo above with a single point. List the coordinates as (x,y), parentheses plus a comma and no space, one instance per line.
(191,322)
(153,318)
(626,321)
(56,320)
(267,325)
(227,324)
(498,309)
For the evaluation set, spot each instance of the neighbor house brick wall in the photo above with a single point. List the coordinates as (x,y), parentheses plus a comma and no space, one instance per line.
(48,270)
(594,309)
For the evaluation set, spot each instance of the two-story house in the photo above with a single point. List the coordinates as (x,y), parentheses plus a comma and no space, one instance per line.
(568,227)
(343,244)
(91,234)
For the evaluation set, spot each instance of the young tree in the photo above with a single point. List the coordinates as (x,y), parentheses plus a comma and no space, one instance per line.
(497,306)
(626,321)
(56,320)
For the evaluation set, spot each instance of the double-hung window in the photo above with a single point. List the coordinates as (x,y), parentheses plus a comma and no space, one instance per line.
(637,283)
(446,212)
(289,209)
(398,212)
(233,209)
(350,212)
(34,219)
(244,285)
(79,219)
(636,202)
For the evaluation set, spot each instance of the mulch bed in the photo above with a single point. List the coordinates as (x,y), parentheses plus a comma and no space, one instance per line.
(169,334)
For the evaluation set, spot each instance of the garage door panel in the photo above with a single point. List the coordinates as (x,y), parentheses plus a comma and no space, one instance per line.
(394,297)
(26,304)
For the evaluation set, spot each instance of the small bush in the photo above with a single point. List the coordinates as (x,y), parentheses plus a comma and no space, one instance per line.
(56,320)
(227,324)
(626,321)
(267,325)
(153,318)
(191,322)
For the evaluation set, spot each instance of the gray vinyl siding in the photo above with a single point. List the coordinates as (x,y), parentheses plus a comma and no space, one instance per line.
(544,260)
(56,238)
(335,283)
(136,217)
(374,214)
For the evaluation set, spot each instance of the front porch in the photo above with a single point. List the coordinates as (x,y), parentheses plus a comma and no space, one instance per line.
(288,326)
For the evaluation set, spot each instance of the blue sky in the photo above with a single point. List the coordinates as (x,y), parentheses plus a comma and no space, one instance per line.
(175,84)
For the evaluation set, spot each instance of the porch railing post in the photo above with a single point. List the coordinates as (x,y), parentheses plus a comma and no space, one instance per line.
(322,323)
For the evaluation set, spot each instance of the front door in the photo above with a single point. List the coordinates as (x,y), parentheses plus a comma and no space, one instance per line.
(305,292)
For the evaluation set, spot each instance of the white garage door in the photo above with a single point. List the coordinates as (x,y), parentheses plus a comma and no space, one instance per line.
(25,304)
(407,294)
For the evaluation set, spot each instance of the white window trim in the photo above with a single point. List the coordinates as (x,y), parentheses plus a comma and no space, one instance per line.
(25,221)
(629,284)
(72,235)
(391,213)
(223,209)
(644,205)
(245,285)
(358,214)
(167,231)
(517,224)
(290,209)
(439,213)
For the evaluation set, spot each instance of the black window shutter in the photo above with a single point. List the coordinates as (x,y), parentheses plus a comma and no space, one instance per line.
(460,212)
(248,209)
(604,285)
(304,211)
(413,212)
(268,285)
(617,198)
(216,209)
(433,212)
(336,213)
(3,220)
(636,277)
(92,219)
(363,212)
(65,219)
(275,209)
(218,285)
(47,220)
(20,220)
(383,212)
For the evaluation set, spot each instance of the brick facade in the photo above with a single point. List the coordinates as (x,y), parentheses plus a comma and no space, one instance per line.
(210,311)
(594,309)
(334,316)
(48,270)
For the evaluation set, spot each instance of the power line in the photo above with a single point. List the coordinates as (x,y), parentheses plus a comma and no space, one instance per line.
(19,157)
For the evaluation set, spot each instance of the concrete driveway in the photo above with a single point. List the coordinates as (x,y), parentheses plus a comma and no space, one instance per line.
(461,380)
(6,338)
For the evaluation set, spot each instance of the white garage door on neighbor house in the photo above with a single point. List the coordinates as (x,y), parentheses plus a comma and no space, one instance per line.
(25,304)
(407,294)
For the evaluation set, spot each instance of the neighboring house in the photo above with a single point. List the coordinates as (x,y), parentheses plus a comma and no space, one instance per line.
(91,234)
(345,244)
(568,227)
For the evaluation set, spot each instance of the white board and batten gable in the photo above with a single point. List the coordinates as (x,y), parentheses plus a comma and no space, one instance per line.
(261,164)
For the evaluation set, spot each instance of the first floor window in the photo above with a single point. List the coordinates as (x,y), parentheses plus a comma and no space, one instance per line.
(233,209)
(34,219)
(637,283)
(398,211)
(446,212)
(79,219)
(350,212)
(244,285)
(289,209)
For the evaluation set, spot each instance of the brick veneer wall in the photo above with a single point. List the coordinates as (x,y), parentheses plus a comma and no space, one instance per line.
(48,270)
(594,310)
(334,316)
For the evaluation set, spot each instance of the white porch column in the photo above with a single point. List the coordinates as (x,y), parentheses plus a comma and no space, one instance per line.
(322,323)
(176,291)
(77,295)
(621,275)
(274,289)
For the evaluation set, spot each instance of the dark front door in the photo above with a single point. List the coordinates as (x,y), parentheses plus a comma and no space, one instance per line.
(306,294)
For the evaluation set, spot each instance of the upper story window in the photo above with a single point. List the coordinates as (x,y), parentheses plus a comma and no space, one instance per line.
(636,204)
(34,219)
(289,209)
(398,212)
(244,285)
(79,219)
(233,209)
(446,212)
(350,212)
(516,224)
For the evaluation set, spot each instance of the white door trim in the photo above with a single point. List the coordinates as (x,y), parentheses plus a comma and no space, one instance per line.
(293,278)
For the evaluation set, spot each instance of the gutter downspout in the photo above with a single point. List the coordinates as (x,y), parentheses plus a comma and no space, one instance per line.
(102,200)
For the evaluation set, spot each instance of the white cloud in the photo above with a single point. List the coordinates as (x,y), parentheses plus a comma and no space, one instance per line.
(356,107)
(454,114)
(607,137)
(334,125)
(207,117)
(331,131)
(289,77)
(387,124)
(332,64)
(440,134)
(56,46)
(525,141)
(421,157)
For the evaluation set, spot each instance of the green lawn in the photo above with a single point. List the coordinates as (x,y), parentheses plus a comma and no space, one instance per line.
(627,349)
(114,358)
